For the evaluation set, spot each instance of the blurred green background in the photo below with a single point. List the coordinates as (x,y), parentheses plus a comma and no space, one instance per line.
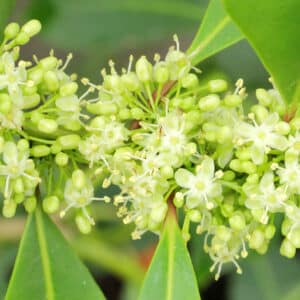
(96,31)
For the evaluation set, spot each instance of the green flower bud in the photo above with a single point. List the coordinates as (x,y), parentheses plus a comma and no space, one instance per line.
(229,175)
(11,30)
(263,97)
(223,233)
(137,113)
(22,38)
(51,204)
(124,114)
(161,74)
(5,103)
(248,167)
(243,153)
(233,100)
(61,159)
(47,125)
(51,81)
(9,208)
(31,101)
(270,231)
(187,103)
(32,27)
(40,151)
(78,179)
(69,142)
(18,185)
(253,178)
(83,224)
(48,63)
(295,123)
(68,89)
(36,117)
(209,103)
(257,239)
(282,128)
(260,112)
(294,237)
(55,148)
(36,75)
(237,221)
(217,86)
(30,204)
(194,215)
(190,149)
(224,134)
(189,81)
(131,82)
(178,200)
(167,172)
(236,165)
(287,249)
(19,198)
(143,69)
(263,249)
(29,90)
(23,145)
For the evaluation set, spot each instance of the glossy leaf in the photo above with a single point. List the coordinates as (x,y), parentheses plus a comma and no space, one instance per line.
(170,275)
(47,268)
(216,32)
(272,28)
(268,277)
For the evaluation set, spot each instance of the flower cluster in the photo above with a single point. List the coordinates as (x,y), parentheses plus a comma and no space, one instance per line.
(159,133)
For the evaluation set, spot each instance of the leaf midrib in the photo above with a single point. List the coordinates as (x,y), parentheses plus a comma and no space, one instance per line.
(44,256)
(171,243)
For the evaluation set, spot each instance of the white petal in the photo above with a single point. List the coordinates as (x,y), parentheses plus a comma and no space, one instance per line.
(267,182)
(277,141)
(207,167)
(257,154)
(184,178)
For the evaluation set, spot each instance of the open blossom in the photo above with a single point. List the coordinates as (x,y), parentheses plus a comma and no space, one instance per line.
(265,196)
(262,137)
(202,187)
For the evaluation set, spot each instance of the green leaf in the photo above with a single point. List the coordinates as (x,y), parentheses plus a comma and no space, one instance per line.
(47,268)
(170,275)
(6,7)
(268,277)
(272,28)
(216,32)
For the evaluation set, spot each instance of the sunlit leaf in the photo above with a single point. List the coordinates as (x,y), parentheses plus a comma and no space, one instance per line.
(47,268)
(272,28)
(216,32)
(170,275)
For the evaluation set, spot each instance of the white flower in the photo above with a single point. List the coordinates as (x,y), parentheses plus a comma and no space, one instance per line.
(201,188)
(290,176)
(13,76)
(17,164)
(265,196)
(262,137)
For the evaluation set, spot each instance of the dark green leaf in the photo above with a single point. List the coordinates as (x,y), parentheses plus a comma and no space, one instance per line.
(272,28)
(170,275)
(216,32)
(47,268)
(266,277)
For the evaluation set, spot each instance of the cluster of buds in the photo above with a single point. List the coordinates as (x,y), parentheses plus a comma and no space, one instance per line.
(160,134)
